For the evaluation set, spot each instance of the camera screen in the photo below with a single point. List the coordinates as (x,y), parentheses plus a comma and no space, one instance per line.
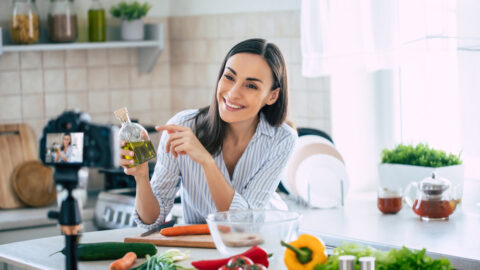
(64,147)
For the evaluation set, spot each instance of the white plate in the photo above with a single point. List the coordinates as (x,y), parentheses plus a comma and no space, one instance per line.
(306,146)
(318,180)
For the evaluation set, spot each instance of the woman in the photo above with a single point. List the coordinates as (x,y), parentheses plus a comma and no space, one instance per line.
(228,155)
(65,152)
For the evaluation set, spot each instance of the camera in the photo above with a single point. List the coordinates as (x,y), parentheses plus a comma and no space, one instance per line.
(68,143)
(72,141)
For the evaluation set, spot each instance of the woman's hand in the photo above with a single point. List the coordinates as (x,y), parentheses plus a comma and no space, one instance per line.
(139,172)
(183,141)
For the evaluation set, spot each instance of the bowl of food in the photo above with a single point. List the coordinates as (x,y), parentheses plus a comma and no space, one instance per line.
(236,231)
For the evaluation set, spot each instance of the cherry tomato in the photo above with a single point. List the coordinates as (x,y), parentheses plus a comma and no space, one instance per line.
(239,261)
(226,267)
(256,266)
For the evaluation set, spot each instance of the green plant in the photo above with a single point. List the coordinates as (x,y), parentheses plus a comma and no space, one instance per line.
(130,11)
(420,155)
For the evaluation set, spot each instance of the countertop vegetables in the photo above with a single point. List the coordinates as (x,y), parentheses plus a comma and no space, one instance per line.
(403,258)
(256,254)
(125,262)
(165,261)
(112,250)
(304,253)
(186,230)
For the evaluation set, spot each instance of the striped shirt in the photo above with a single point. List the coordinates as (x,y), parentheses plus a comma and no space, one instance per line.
(255,178)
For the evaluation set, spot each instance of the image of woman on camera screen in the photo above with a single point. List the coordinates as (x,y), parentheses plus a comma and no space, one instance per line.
(228,155)
(64,153)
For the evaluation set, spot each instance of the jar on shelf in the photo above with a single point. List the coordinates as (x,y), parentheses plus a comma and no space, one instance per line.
(96,22)
(62,21)
(24,23)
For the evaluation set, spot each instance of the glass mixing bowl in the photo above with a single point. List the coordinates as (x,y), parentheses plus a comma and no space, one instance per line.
(238,230)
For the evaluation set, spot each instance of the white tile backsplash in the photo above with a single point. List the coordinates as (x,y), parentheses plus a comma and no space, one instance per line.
(55,104)
(118,77)
(118,56)
(141,100)
(75,58)
(97,78)
(9,82)
(32,81)
(31,60)
(78,100)
(11,108)
(53,59)
(32,106)
(96,58)
(10,61)
(119,99)
(77,79)
(98,102)
(54,80)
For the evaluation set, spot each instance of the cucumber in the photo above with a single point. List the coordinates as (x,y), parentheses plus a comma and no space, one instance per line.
(112,250)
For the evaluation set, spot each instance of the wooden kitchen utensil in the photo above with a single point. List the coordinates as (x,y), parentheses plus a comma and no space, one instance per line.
(200,241)
(18,144)
(34,184)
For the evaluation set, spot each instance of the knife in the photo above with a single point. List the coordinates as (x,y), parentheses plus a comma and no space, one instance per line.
(159,227)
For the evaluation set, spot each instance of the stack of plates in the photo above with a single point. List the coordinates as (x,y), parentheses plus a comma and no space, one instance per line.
(316,173)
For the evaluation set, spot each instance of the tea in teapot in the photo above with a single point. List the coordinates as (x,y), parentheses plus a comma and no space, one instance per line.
(433,200)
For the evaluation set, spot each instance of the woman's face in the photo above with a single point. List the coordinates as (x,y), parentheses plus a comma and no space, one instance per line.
(66,140)
(244,88)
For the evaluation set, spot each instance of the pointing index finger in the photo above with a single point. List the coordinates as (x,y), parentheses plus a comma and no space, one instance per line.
(170,128)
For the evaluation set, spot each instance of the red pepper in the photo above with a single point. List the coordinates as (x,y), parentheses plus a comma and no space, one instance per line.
(256,253)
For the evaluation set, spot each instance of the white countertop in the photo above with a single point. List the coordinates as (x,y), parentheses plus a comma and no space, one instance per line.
(360,221)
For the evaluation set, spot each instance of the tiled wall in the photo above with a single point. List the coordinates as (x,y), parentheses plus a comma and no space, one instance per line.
(199,44)
(37,86)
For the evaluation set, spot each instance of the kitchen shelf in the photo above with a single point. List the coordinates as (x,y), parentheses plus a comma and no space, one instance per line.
(148,49)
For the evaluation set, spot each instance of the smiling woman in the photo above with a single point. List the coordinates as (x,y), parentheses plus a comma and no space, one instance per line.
(228,155)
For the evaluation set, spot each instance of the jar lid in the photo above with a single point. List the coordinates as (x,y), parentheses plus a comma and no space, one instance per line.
(433,185)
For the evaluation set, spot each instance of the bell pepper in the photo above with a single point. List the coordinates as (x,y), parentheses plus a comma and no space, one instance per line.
(304,253)
(256,254)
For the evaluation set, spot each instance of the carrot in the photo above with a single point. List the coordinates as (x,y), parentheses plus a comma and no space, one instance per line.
(186,230)
(125,262)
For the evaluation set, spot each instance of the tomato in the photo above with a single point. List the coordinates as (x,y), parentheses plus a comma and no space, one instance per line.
(239,261)
(226,267)
(256,266)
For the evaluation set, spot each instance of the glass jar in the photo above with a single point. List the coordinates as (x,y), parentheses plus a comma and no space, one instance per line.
(389,200)
(136,139)
(24,24)
(96,22)
(62,21)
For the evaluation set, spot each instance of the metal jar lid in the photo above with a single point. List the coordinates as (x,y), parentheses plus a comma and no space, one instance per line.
(367,263)
(346,262)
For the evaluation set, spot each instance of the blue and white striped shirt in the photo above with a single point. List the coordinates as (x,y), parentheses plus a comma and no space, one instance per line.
(255,178)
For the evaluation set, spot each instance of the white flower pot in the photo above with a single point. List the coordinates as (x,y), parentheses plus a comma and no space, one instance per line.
(399,176)
(132,30)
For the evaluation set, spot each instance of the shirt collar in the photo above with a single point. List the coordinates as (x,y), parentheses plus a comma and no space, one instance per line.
(264,127)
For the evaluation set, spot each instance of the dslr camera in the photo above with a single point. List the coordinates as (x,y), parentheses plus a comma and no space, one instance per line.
(72,141)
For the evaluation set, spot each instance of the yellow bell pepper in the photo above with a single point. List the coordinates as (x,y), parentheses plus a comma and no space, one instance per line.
(304,253)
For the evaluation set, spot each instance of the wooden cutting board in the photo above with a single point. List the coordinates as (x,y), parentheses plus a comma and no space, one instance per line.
(199,241)
(18,144)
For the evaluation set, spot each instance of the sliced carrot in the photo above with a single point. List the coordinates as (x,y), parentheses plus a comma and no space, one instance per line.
(125,262)
(186,230)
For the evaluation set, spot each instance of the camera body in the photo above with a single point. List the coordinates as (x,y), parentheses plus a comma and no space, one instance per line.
(72,141)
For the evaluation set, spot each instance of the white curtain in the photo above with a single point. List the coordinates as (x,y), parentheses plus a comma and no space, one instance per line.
(393,70)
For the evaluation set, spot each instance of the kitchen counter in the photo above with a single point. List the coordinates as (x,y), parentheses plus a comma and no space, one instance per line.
(359,221)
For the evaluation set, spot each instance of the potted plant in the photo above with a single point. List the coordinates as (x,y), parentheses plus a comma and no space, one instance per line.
(131,15)
(407,163)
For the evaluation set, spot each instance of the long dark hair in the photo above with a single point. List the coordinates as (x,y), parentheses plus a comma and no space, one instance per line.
(210,128)
(69,143)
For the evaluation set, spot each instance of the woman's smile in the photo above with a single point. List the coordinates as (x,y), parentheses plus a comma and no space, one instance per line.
(232,106)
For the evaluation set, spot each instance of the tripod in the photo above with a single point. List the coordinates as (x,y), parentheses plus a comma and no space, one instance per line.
(69,217)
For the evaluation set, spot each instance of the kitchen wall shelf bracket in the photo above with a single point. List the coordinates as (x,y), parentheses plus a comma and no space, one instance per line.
(148,49)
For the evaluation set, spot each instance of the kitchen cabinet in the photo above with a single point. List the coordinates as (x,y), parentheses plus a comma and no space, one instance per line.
(148,50)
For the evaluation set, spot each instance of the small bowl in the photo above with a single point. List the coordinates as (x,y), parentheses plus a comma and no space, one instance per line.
(238,230)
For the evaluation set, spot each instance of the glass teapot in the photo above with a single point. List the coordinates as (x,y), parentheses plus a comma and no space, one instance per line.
(434,198)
